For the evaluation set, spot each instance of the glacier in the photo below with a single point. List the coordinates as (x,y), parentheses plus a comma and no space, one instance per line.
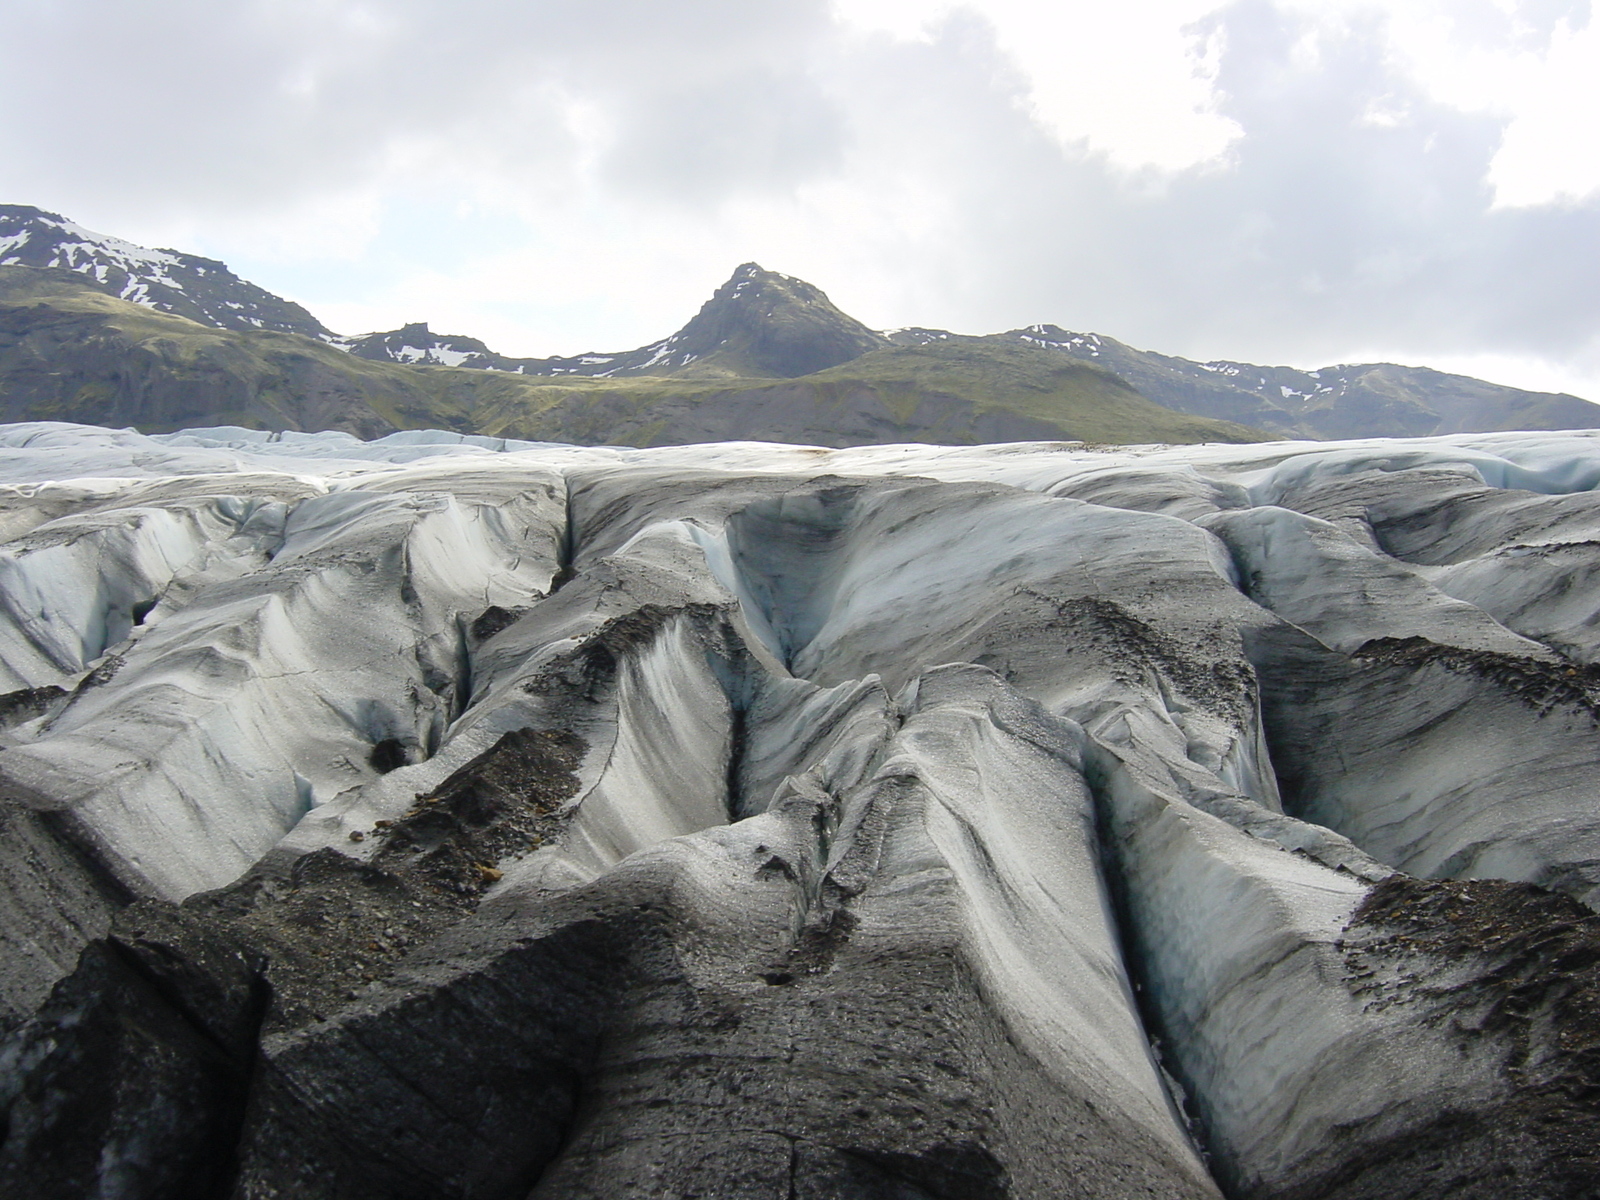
(451,816)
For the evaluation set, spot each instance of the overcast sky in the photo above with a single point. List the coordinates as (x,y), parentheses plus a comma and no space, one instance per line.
(1271,180)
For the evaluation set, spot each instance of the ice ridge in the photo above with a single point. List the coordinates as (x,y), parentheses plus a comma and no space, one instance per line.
(452,816)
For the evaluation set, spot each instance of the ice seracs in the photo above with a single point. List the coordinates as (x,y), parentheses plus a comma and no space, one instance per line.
(754,820)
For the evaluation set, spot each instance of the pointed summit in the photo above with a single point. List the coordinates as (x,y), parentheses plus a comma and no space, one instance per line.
(757,325)
(763,324)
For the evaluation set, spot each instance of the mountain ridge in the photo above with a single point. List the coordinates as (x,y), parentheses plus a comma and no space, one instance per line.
(719,376)
(186,285)
(1327,403)
(759,324)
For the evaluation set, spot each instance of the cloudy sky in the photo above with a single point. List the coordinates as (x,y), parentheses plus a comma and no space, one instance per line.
(1272,180)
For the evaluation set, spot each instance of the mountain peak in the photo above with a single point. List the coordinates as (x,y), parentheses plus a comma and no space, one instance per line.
(186,285)
(764,323)
(759,324)
(417,344)
(753,283)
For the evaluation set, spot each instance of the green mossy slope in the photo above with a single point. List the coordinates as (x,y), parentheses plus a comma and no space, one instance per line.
(71,353)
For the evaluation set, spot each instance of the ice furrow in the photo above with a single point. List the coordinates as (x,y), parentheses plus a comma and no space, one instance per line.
(741,821)
(231,697)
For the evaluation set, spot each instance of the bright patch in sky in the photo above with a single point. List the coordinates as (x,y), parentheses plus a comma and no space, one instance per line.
(1534,64)
(1132,81)
(1135,81)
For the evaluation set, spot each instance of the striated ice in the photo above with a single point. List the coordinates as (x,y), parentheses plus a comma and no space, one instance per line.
(991,821)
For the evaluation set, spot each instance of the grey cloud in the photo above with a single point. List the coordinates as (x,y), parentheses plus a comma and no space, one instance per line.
(744,132)
(190,102)
(1325,229)
(1377,231)
(1353,210)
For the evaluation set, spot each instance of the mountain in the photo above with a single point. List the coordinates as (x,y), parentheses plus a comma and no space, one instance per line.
(963,392)
(763,323)
(1365,400)
(439,819)
(186,285)
(417,345)
(69,351)
(86,334)
(759,324)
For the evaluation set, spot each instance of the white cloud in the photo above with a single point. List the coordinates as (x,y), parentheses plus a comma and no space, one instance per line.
(1532,64)
(1551,150)
(1132,82)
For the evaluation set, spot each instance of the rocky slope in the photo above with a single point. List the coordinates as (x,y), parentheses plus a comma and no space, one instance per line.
(68,351)
(186,285)
(734,821)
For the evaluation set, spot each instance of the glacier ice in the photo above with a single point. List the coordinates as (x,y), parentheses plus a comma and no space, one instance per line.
(452,816)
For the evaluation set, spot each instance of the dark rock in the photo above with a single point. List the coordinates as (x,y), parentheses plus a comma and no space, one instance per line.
(53,902)
(505,799)
(131,1081)
(491,621)
(27,703)
(1497,962)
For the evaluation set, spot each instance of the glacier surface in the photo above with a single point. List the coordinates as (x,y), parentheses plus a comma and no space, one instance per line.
(450,816)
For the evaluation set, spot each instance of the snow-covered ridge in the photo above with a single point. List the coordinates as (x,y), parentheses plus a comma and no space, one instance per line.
(167,280)
(75,248)
(1052,338)
(71,247)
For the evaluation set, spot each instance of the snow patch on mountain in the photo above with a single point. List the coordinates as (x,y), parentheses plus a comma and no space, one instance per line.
(166,280)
